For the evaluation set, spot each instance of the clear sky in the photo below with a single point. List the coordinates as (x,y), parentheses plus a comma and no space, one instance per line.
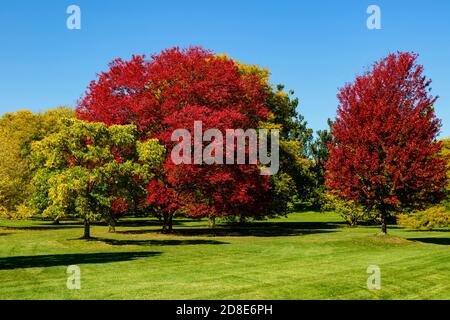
(313,47)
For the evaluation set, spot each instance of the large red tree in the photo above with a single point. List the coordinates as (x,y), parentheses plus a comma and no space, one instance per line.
(385,154)
(170,91)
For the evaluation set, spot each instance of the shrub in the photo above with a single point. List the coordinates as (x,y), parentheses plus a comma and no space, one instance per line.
(283,193)
(22,212)
(350,211)
(429,219)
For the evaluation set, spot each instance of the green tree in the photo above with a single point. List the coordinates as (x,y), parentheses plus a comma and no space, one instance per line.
(88,166)
(295,137)
(318,153)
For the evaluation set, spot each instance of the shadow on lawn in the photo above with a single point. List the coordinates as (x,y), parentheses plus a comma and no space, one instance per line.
(47,226)
(148,223)
(440,241)
(116,242)
(256,229)
(22,262)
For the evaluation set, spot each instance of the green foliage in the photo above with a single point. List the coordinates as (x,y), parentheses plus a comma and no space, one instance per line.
(295,135)
(297,166)
(88,166)
(318,152)
(284,194)
(350,211)
(39,199)
(432,218)
(293,125)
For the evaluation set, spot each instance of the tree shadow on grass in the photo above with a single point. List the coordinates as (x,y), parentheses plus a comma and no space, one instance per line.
(439,241)
(147,223)
(256,229)
(116,242)
(22,262)
(47,226)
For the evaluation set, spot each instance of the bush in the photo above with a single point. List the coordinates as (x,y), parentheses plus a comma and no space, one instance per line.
(350,211)
(432,218)
(283,195)
(22,212)
(320,199)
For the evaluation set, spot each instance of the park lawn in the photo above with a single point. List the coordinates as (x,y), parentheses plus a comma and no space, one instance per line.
(305,256)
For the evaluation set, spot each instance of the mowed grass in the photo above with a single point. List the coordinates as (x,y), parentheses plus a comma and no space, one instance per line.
(305,256)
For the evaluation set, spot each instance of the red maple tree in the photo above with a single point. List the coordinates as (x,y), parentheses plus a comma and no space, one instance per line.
(170,91)
(384,154)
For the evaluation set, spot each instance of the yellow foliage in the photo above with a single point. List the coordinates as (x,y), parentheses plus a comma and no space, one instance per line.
(21,212)
(17,133)
(446,153)
(249,69)
(432,218)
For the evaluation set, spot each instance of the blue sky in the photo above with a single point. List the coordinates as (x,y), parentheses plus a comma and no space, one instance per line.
(313,47)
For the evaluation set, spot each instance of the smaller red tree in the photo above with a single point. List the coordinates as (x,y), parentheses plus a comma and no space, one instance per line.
(385,154)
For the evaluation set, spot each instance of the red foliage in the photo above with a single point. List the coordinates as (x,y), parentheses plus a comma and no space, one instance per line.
(384,153)
(171,91)
(119,206)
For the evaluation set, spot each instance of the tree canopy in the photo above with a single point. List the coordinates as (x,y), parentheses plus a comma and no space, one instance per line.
(384,153)
(17,132)
(89,167)
(171,91)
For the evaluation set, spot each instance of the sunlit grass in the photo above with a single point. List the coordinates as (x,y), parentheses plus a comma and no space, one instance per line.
(306,256)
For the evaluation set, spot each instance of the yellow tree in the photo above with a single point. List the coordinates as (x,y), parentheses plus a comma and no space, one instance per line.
(17,132)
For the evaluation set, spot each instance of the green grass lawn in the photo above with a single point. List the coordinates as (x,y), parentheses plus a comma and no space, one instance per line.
(306,256)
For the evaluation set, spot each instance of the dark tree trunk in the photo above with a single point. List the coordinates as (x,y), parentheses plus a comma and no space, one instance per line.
(112,223)
(87,229)
(168,217)
(112,226)
(56,221)
(383,224)
(241,219)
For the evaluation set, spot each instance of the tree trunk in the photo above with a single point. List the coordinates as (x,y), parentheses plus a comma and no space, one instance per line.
(168,217)
(211,222)
(56,221)
(112,226)
(112,223)
(87,229)
(383,224)
(241,219)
